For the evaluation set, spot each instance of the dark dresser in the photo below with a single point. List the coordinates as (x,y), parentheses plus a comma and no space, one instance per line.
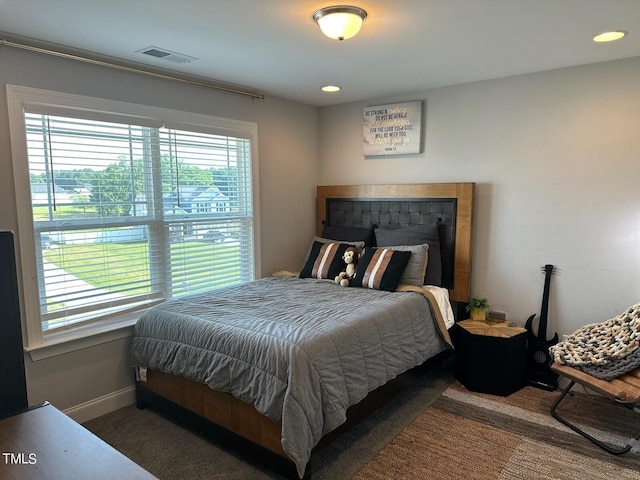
(13,389)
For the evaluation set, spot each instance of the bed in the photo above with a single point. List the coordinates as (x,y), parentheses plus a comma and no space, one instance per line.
(280,364)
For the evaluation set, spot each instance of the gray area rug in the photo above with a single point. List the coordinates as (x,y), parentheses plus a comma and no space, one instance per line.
(172,452)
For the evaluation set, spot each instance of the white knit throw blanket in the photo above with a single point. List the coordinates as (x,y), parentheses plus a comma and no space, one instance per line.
(604,350)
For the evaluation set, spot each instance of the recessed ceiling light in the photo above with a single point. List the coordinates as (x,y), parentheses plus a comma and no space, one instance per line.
(331,88)
(609,36)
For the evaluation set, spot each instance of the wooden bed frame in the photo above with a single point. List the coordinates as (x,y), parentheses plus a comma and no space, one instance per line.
(237,423)
(450,204)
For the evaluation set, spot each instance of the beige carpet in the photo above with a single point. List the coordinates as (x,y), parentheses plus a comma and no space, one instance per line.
(474,436)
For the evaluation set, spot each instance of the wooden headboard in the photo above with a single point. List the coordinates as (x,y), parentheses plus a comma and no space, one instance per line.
(450,205)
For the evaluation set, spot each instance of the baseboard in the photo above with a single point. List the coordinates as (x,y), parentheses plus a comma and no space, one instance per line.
(102,405)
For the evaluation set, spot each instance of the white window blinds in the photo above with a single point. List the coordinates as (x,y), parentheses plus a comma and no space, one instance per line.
(126,215)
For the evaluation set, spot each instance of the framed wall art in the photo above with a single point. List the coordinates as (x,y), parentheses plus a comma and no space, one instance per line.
(392,129)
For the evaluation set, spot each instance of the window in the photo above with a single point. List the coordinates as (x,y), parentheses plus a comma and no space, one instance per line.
(126,211)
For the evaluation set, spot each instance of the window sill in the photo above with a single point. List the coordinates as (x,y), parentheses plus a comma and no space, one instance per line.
(59,343)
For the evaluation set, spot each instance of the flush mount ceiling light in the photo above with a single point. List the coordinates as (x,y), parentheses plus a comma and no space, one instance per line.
(340,22)
(609,36)
(331,88)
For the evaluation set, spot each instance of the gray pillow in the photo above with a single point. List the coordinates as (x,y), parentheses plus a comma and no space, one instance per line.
(349,234)
(416,235)
(414,271)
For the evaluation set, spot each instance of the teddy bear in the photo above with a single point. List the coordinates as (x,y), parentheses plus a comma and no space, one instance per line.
(350,257)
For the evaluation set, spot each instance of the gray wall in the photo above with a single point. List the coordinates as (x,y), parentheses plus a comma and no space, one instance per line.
(90,380)
(556,158)
(554,155)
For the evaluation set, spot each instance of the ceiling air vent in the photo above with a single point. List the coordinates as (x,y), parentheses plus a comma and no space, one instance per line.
(167,55)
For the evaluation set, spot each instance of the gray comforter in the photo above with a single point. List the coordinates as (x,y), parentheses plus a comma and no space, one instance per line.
(300,350)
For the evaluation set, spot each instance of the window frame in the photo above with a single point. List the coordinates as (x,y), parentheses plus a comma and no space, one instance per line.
(42,344)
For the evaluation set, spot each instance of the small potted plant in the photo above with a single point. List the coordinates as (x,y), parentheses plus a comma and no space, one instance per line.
(478,307)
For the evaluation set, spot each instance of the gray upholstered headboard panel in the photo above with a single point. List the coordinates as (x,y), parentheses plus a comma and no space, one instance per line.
(398,213)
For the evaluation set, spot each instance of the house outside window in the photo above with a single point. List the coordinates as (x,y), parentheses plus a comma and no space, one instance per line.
(127,208)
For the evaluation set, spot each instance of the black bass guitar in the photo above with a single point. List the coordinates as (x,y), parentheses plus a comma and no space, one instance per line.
(539,373)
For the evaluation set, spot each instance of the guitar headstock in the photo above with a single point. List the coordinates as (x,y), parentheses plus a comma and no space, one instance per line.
(549,269)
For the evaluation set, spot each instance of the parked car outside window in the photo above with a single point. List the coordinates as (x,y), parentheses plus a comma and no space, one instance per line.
(213,236)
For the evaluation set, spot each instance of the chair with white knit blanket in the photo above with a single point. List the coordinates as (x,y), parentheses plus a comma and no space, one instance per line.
(605,358)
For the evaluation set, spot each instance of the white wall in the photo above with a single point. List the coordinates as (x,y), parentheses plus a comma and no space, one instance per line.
(556,158)
(90,380)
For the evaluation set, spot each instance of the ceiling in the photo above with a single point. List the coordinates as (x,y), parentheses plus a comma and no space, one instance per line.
(273,47)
